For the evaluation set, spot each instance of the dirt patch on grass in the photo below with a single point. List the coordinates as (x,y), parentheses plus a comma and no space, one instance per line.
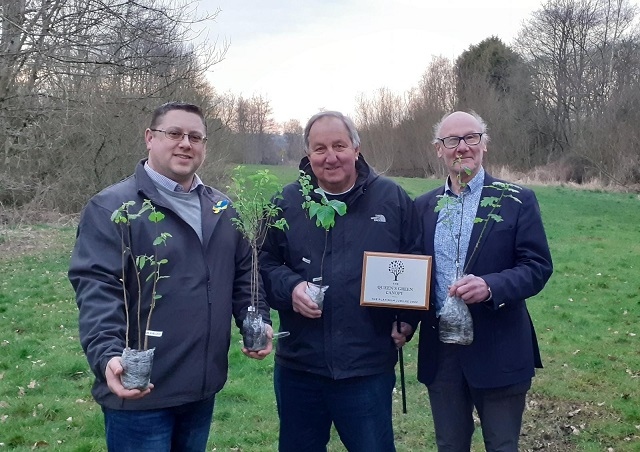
(549,424)
(23,241)
(554,425)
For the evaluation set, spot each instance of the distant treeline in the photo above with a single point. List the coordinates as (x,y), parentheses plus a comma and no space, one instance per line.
(78,81)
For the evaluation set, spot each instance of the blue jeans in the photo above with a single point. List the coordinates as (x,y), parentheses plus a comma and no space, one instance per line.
(183,428)
(360,409)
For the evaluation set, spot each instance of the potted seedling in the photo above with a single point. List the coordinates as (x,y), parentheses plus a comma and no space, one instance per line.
(456,324)
(137,363)
(253,195)
(325,214)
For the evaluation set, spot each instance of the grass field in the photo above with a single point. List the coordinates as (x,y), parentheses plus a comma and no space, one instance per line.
(587,398)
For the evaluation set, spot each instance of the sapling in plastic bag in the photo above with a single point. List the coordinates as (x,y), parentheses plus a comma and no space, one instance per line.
(316,293)
(456,324)
(254,331)
(137,366)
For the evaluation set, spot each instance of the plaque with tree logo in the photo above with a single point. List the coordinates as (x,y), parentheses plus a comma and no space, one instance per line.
(395,280)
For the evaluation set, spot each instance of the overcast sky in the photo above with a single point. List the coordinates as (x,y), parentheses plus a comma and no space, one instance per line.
(304,55)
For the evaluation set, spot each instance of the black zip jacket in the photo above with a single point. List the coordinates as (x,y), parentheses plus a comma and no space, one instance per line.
(348,340)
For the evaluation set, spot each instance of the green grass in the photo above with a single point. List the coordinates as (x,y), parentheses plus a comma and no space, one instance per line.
(588,316)
(413,185)
(587,319)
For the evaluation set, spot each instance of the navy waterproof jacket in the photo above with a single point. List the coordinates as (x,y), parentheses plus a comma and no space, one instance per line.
(348,340)
(208,283)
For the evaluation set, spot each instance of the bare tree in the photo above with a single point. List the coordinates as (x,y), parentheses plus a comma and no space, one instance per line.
(378,119)
(494,80)
(578,51)
(294,141)
(255,127)
(397,129)
(75,79)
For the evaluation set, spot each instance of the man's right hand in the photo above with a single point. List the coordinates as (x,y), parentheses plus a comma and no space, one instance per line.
(112,373)
(302,304)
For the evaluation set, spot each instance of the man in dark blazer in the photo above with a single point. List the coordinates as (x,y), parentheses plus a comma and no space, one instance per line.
(503,261)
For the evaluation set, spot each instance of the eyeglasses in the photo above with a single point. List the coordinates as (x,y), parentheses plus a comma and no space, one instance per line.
(453,142)
(177,135)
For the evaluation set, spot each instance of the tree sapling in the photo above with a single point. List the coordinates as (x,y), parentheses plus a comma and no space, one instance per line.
(137,363)
(253,196)
(325,214)
(456,323)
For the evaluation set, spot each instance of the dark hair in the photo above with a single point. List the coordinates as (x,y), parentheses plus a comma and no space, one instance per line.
(163,109)
(348,123)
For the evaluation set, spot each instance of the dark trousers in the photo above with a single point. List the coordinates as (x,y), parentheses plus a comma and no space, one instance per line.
(359,407)
(452,401)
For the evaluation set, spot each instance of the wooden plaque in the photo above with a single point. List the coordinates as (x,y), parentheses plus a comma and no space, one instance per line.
(395,280)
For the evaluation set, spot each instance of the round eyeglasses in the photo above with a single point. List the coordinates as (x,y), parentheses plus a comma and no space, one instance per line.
(453,142)
(177,135)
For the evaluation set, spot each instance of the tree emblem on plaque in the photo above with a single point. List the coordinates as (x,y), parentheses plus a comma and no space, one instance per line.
(396,268)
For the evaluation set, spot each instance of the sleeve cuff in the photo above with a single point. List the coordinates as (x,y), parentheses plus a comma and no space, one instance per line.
(490,297)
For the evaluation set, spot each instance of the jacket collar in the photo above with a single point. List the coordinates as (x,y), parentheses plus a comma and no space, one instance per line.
(366,175)
(209,198)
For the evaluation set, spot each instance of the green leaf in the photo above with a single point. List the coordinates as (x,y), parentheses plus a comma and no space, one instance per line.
(338,206)
(116,215)
(489,201)
(146,205)
(320,191)
(156,217)
(313,209)
(494,217)
(444,201)
(281,224)
(514,198)
(326,217)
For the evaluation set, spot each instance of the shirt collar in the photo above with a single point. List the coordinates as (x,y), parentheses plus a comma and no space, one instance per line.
(170,184)
(474,184)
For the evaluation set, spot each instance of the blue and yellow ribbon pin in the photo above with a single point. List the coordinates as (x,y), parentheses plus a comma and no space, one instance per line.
(220,206)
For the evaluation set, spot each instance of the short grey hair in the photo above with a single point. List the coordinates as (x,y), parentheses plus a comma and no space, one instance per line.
(483,127)
(348,123)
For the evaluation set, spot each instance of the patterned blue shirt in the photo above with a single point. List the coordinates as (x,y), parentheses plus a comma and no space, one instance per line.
(456,219)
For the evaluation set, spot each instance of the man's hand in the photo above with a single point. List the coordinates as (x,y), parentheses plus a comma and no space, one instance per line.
(261,354)
(400,338)
(471,288)
(303,304)
(112,373)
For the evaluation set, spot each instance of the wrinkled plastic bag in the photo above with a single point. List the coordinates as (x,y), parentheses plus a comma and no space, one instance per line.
(137,366)
(254,331)
(316,293)
(456,324)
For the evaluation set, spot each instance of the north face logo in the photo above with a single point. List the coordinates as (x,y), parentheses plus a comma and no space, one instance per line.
(379,218)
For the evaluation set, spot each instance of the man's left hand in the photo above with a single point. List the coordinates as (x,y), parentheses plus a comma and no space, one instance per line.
(261,354)
(400,338)
(471,288)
